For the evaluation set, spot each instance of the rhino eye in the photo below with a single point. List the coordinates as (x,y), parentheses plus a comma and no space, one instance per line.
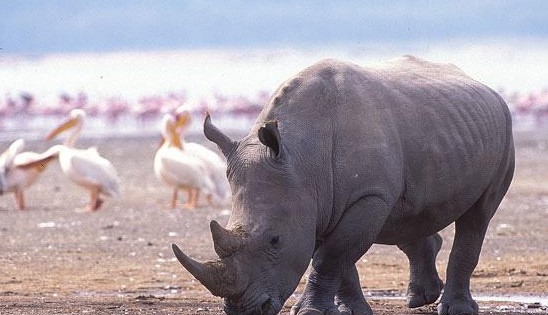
(275,241)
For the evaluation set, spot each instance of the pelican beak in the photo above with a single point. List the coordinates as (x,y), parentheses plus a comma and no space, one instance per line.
(182,120)
(175,141)
(64,126)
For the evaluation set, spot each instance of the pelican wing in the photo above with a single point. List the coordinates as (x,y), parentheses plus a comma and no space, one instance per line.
(215,166)
(175,162)
(33,161)
(204,153)
(93,150)
(7,157)
(24,169)
(88,167)
(180,168)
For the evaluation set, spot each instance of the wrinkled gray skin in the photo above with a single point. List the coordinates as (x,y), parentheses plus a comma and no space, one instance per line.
(343,157)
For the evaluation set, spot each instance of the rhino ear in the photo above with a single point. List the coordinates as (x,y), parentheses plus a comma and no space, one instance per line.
(269,135)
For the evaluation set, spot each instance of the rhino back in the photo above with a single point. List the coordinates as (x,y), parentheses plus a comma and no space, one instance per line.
(423,136)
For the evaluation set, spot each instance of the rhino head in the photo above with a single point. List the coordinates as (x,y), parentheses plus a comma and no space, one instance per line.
(270,236)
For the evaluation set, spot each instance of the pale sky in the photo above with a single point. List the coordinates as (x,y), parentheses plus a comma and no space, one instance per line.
(36,26)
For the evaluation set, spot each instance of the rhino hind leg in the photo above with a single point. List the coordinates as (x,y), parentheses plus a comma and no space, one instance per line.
(470,231)
(424,283)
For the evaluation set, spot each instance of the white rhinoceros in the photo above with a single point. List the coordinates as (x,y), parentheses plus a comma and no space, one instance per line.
(342,157)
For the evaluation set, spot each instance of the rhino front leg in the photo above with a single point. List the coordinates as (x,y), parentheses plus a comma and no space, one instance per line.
(424,283)
(349,298)
(336,256)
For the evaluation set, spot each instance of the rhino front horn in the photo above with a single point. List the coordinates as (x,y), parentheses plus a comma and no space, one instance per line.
(215,135)
(211,274)
(225,242)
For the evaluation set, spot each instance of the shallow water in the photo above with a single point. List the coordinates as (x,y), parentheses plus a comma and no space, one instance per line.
(514,298)
(36,127)
(517,298)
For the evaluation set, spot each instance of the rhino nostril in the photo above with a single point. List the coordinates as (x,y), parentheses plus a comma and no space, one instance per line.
(266,307)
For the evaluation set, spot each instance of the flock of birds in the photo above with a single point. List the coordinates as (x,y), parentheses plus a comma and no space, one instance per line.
(26,104)
(181,165)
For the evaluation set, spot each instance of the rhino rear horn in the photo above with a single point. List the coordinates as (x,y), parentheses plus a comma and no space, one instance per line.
(216,136)
(225,242)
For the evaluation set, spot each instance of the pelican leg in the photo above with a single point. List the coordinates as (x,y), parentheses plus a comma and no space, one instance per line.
(20,199)
(99,203)
(173,203)
(196,198)
(188,197)
(190,203)
(210,200)
(94,201)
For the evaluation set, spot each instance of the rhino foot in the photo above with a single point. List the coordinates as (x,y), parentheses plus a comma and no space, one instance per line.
(350,309)
(339,309)
(424,283)
(295,310)
(424,293)
(458,307)
(352,303)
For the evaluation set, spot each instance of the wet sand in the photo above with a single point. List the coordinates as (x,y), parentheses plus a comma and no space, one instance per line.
(55,260)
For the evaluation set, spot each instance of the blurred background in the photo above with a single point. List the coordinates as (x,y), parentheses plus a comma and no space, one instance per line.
(128,62)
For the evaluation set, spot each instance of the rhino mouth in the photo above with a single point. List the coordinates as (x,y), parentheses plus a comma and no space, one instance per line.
(264,305)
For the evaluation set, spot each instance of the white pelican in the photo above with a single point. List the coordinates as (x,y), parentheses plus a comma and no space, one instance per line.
(177,168)
(19,170)
(85,167)
(215,165)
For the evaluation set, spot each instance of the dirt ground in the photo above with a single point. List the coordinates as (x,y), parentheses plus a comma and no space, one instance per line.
(55,260)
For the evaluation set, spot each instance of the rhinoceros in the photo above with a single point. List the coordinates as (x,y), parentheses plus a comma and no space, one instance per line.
(344,156)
